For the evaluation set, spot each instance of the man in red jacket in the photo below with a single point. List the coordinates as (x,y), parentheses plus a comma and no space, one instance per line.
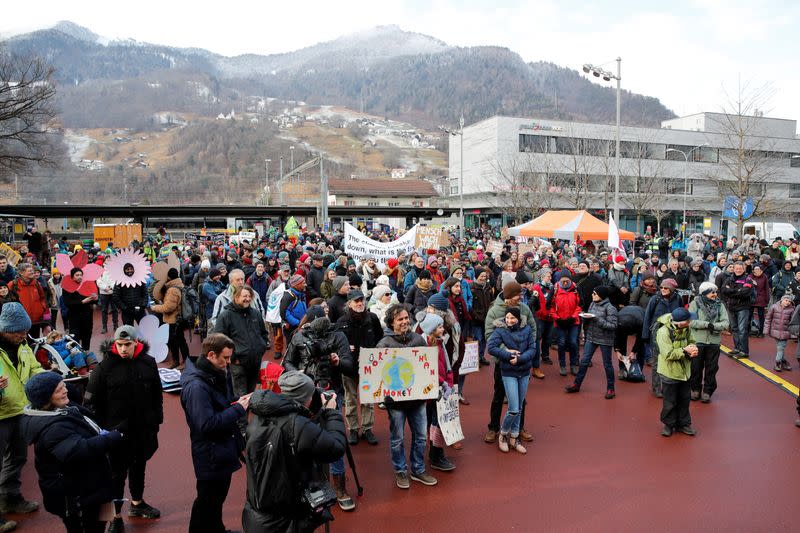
(31,295)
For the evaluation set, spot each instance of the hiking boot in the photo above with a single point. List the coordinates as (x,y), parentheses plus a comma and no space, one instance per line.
(525,435)
(562,371)
(116,526)
(7,525)
(401,480)
(694,395)
(572,388)
(370,437)
(424,478)
(705,398)
(344,500)
(352,437)
(666,431)
(143,510)
(17,505)
(515,445)
(573,369)
(547,361)
(537,373)
(502,443)
(439,461)
(490,437)
(785,365)
(610,394)
(688,430)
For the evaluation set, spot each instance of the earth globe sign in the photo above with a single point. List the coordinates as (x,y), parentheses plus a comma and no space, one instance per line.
(398,374)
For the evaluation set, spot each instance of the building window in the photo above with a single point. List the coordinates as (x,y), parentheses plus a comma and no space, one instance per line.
(794,161)
(540,144)
(416,204)
(373,203)
(394,204)
(453,190)
(794,190)
(349,203)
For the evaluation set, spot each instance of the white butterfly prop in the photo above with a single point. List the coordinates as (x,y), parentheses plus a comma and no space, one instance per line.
(115,266)
(156,336)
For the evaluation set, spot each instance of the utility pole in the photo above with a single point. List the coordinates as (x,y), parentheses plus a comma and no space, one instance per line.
(323,193)
(280,182)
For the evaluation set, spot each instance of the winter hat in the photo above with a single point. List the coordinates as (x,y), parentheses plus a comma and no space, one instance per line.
(439,301)
(233,255)
(514,312)
(565,273)
(339,282)
(511,289)
(681,314)
(425,274)
(205,264)
(283,256)
(429,324)
(355,279)
(214,272)
(707,287)
(392,263)
(602,292)
(285,268)
(314,312)
(669,283)
(479,271)
(522,277)
(355,294)
(303,257)
(297,281)
(40,388)
(296,386)
(380,290)
(13,318)
(432,259)
(788,296)
(456,266)
(350,262)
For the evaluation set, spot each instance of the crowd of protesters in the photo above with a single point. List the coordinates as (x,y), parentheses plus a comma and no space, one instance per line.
(665,303)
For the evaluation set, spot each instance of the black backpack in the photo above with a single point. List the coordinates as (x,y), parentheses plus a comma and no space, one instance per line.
(190,306)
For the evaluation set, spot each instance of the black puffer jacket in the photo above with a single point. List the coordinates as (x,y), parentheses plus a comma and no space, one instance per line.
(364,333)
(320,440)
(127,299)
(71,461)
(125,394)
(246,328)
(601,329)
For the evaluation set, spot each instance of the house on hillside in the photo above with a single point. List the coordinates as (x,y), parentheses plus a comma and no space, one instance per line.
(383,192)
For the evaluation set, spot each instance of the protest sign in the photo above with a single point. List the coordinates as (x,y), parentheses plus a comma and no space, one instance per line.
(11,254)
(523,248)
(448,416)
(358,245)
(428,237)
(508,277)
(401,374)
(470,363)
(494,247)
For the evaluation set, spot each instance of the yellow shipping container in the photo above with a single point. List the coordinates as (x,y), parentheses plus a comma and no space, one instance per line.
(120,234)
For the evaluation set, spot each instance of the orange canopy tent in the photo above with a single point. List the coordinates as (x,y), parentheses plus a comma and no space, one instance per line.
(567,225)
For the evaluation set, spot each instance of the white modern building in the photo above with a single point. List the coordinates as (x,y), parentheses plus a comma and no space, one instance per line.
(516,166)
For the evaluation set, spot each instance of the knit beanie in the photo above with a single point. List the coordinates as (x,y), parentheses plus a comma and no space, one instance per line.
(432,259)
(214,272)
(788,296)
(40,387)
(515,312)
(511,289)
(205,264)
(338,283)
(392,263)
(522,277)
(707,287)
(425,274)
(439,301)
(479,271)
(670,283)
(297,281)
(296,386)
(14,319)
(429,324)
(383,279)
(380,290)
(602,292)
(355,280)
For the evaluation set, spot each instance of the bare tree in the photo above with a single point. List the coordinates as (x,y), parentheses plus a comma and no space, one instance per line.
(747,160)
(645,188)
(578,171)
(26,113)
(524,185)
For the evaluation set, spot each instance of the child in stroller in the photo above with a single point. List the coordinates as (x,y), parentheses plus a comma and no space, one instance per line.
(76,361)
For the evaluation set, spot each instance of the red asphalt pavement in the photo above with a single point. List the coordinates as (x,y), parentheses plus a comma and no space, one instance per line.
(595,465)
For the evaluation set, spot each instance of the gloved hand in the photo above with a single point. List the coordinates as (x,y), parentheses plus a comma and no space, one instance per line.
(710,327)
(114,436)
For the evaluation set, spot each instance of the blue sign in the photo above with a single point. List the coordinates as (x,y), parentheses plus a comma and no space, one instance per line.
(734,206)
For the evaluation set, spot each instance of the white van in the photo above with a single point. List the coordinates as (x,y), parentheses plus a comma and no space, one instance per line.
(770,231)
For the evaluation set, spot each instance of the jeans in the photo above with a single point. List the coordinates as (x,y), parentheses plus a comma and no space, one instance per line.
(14,452)
(418,422)
(588,351)
(704,369)
(496,407)
(543,332)
(107,306)
(740,329)
(568,340)
(675,409)
(780,347)
(760,312)
(478,333)
(515,387)
(206,514)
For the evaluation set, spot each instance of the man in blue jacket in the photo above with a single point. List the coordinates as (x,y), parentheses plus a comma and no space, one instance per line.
(213,414)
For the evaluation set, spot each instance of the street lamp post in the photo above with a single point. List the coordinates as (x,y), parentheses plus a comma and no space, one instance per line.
(291,158)
(608,76)
(459,133)
(266,180)
(685,177)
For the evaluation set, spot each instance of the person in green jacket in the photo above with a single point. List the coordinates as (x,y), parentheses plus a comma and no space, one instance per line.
(17,365)
(676,348)
(712,320)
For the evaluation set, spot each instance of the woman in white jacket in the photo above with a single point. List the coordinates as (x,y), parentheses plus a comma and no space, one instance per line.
(105,290)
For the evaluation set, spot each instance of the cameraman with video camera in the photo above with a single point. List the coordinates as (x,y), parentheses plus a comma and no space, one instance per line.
(291,436)
(322,352)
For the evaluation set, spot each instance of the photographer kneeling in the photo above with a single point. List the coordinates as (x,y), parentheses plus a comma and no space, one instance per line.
(287,444)
(322,352)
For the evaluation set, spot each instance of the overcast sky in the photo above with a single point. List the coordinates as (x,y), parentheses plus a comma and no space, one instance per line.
(687,53)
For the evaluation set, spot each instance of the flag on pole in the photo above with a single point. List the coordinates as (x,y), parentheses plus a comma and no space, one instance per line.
(614,242)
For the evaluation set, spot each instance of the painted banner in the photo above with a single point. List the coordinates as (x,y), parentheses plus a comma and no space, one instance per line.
(494,247)
(471,362)
(11,254)
(429,238)
(448,416)
(358,245)
(523,248)
(401,374)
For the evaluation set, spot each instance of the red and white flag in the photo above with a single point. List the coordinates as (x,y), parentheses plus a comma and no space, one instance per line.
(614,242)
